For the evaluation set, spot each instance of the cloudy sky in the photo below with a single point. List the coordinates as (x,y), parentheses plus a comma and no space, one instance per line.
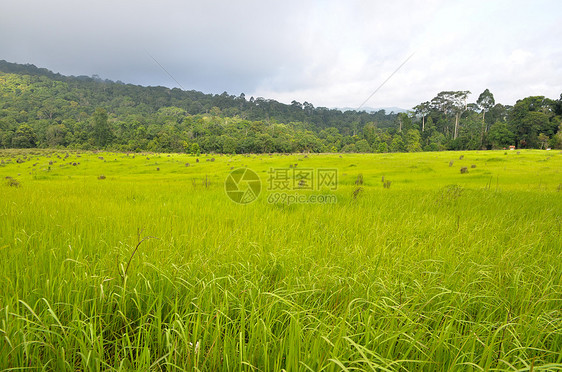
(330,53)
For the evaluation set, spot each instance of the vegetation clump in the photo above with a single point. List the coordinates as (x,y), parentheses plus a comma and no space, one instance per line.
(451,192)
(359,179)
(358,191)
(12,182)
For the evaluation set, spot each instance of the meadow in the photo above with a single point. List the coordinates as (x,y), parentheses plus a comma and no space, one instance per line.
(120,262)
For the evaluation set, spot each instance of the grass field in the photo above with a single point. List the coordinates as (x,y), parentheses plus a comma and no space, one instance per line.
(437,271)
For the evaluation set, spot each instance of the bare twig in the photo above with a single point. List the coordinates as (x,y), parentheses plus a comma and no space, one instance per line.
(135,251)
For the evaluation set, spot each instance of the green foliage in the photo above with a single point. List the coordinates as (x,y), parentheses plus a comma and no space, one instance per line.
(558,138)
(195,150)
(24,137)
(530,117)
(397,144)
(485,102)
(501,136)
(363,146)
(101,131)
(88,112)
(349,148)
(413,141)
(57,135)
(437,140)
(157,118)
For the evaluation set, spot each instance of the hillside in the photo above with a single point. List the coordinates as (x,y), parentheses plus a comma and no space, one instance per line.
(40,108)
(61,111)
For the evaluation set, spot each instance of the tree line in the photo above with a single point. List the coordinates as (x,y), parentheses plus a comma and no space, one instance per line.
(43,109)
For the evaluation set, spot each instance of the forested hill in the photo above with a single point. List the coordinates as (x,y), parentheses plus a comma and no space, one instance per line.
(39,108)
(139,115)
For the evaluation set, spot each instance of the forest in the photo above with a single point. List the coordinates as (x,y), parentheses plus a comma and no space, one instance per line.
(42,109)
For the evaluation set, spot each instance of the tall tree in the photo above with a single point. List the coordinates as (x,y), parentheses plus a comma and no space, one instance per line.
(459,106)
(452,104)
(423,109)
(485,102)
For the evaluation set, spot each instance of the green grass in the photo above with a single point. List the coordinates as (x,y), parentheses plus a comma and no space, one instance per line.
(441,271)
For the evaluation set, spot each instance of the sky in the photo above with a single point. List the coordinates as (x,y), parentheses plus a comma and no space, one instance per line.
(329,53)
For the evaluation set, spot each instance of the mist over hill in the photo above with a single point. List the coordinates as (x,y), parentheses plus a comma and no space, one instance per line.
(396,110)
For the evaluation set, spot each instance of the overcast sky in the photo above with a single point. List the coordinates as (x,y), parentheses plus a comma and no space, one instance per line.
(329,53)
